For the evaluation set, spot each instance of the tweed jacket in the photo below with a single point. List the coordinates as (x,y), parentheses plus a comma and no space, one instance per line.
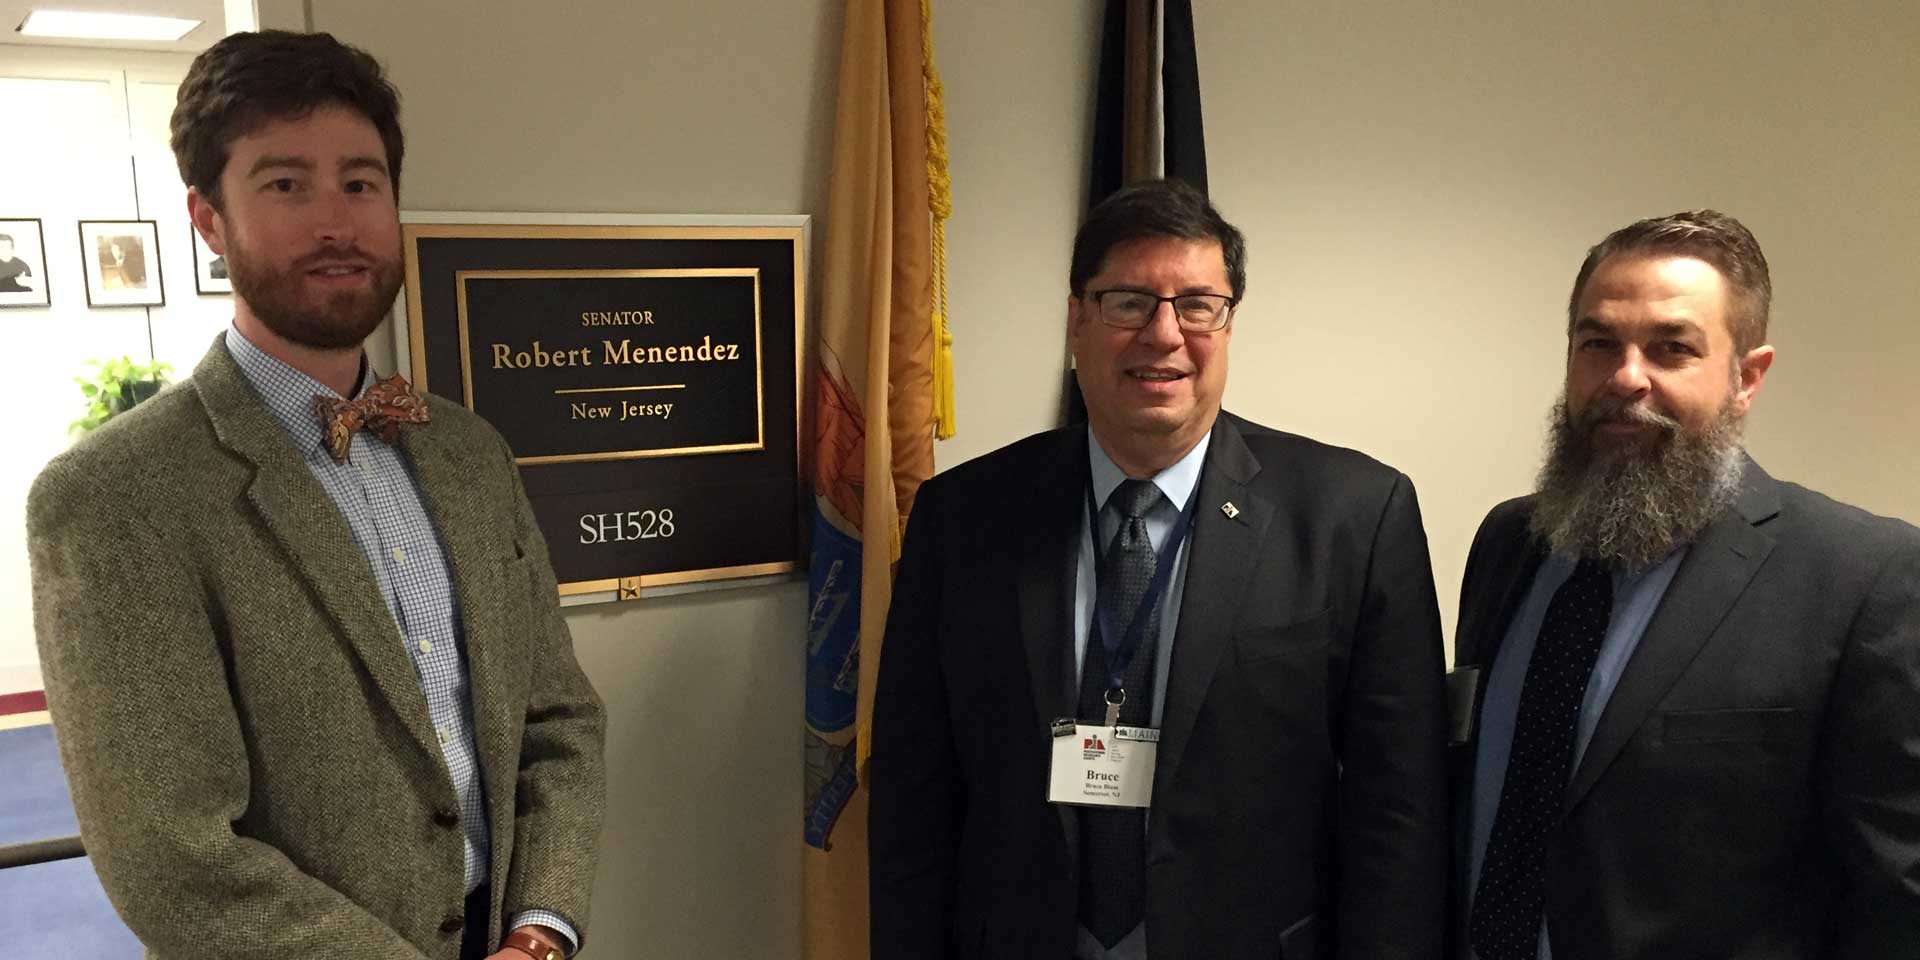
(247,744)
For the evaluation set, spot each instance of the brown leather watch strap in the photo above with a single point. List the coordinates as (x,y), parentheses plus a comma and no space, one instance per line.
(531,945)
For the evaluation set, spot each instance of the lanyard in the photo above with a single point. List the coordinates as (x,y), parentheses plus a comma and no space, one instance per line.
(1120,647)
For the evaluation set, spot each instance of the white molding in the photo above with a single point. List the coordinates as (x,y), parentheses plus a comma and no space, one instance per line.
(20,677)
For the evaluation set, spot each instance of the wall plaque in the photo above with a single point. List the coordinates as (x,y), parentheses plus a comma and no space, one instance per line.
(645,376)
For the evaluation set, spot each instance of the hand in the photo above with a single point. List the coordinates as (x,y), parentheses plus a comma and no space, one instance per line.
(547,936)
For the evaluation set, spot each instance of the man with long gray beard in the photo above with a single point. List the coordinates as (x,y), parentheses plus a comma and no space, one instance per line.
(1688,699)
(301,640)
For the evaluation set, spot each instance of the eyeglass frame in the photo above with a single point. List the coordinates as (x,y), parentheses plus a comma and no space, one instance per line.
(1100,308)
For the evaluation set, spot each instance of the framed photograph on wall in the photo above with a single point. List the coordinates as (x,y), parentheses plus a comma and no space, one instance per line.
(209,268)
(23,263)
(121,260)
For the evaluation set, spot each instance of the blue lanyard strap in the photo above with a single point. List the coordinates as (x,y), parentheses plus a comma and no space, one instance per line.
(1120,648)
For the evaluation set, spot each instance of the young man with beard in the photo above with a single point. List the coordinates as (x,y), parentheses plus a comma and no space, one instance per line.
(1168,684)
(300,636)
(1697,729)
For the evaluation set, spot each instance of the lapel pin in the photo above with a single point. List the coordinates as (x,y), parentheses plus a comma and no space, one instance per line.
(1229,509)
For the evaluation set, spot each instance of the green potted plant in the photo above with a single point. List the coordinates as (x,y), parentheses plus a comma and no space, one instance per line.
(118,386)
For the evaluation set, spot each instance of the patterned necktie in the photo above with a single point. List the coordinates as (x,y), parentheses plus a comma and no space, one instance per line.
(1507,905)
(382,410)
(1113,842)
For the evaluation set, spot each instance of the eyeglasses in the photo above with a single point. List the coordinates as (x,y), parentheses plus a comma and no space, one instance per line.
(1132,309)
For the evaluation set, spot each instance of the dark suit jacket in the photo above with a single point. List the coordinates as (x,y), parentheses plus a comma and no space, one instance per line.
(249,750)
(1299,790)
(1753,787)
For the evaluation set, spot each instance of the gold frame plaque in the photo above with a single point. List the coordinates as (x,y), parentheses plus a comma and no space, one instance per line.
(510,229)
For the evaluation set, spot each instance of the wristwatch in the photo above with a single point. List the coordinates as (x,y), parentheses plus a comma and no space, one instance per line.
(531,945)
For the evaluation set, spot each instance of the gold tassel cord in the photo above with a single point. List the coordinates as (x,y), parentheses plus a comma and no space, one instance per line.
(940,202)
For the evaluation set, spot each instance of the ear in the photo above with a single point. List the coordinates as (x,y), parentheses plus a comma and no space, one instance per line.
(207,220)
(1075,321)
(1753,371)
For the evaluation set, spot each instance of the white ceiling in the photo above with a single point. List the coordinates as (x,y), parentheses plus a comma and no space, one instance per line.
(211,12)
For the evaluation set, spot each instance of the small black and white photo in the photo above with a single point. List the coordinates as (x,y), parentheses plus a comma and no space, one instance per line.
(209,268)
(23,263)
(121,260)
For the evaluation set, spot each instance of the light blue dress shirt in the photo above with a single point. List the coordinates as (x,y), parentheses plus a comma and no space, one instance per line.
(1177,483)
(377,497)
(1635,598)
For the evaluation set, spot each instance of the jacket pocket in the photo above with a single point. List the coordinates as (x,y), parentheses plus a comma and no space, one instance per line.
(1300,941)
(1727,726)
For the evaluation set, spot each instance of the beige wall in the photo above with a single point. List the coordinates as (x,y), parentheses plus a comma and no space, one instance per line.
(1419,183)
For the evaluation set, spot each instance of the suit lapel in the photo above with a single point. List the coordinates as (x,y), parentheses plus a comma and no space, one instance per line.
(1218,564)
(1049,567)
(1489,615)
(474,564)
(298,513)
(1716,571)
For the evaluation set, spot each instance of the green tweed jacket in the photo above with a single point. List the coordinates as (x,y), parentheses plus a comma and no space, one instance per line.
(247,743)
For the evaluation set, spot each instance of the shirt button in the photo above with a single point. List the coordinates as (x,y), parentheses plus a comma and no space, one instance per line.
(399,555)
(426,646)
(446,734)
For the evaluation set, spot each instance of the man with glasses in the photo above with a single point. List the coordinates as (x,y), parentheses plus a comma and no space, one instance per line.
(1168,685)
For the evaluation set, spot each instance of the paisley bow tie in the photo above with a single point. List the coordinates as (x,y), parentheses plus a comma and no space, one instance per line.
(382,410)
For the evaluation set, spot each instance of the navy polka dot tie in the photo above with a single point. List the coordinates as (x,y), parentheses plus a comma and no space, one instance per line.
(1508,903)
(1113,842)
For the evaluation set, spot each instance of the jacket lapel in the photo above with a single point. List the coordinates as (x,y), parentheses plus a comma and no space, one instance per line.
(1716,571)
(1218,564)
(298,513)
(1049,566)
(1487,616)
(475,566)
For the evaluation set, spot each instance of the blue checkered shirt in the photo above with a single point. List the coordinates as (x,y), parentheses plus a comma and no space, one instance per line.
(377,497)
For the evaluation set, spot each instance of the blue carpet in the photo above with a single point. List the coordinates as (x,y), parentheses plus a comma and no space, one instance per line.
(49,909)
(58,910)
(34,806)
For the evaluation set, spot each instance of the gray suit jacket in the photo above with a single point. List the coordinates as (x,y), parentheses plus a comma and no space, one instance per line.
(247,743)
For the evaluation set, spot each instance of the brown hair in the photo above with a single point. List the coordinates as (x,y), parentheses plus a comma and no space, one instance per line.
(1708,235)
(246,80)
(1154,208)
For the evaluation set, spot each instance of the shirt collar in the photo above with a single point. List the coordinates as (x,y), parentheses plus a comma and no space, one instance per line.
(287,392)
(1176,483)
(1562,564)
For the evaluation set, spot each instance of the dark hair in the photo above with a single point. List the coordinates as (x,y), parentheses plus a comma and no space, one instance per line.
(247,80)
(1154,208)
(1707,235)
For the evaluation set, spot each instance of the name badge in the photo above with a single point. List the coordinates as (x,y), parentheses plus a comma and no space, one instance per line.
(1102,766)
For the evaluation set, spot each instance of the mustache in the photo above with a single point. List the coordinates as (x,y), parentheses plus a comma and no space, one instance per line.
(1622,410)
(331,254)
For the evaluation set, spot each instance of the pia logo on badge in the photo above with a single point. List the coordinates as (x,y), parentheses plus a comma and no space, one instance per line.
(1093,748)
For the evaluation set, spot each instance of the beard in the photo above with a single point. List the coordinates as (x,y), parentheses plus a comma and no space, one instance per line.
(340,320)
(1629,502)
